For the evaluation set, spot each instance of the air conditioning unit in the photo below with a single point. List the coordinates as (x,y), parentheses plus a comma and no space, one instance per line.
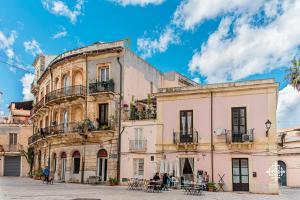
(247,138)
(220,131)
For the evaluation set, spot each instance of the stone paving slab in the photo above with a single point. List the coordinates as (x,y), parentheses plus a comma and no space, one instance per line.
(25,188)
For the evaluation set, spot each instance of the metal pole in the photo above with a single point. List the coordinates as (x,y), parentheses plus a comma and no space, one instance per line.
(211,137)
(119,119)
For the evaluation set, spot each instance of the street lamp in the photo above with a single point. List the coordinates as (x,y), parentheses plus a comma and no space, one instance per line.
(268,126)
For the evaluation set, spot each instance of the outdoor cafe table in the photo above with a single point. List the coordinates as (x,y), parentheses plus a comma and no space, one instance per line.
(192,189)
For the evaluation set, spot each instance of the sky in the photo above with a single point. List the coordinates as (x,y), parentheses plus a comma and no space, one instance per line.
(209,41)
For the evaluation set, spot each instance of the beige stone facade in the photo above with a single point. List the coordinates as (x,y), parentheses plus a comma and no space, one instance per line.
(77,104)
(14,133)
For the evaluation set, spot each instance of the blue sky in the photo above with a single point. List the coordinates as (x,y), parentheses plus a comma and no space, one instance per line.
(207,40)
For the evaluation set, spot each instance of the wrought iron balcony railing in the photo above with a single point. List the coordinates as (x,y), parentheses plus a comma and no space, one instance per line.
(72,91)
(103,86)
(183,137)
(238,137)
(53,130)
(137,145)
(142,114)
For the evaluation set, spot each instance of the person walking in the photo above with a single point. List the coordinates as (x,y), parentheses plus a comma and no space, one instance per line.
(46,174)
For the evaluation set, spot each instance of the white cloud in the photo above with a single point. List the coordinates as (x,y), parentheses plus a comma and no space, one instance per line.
(251,49)
(58,7)
(193,12)
(60,34)
(26,80)
(6,43)
(197,80)
(288,107)
(32,47)
(148,47)
(138,2)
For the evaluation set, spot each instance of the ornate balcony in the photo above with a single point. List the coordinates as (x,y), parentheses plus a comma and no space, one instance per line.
(185,137)
(66,93)
(34,87)
(137,145)
(237,137)
(104,86)
(37,106)
(53,130)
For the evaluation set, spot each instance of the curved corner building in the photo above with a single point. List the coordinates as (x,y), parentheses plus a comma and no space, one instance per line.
(76,110)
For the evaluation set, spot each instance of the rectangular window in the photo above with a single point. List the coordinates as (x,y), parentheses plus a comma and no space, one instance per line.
(103,114)
(186,122)
(13,138)
(76,165)
(138,138)
(239,123)
(138,167)
(103,73)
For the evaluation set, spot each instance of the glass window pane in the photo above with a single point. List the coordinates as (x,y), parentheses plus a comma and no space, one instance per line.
(244,163)
(236,171)
(236,179)
(244,171)
(235,163)
(244,179)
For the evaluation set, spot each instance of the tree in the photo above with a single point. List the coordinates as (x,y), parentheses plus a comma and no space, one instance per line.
(29,155)
(293,74)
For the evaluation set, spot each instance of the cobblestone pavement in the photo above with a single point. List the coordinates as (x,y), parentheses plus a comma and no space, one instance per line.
(25,188)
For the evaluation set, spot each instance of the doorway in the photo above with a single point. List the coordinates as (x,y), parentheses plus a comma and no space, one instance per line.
(240,174)
(282,176)
(187,168)
(102,165)
(63,166)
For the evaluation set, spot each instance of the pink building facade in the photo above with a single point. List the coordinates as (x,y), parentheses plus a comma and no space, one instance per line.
(219,129)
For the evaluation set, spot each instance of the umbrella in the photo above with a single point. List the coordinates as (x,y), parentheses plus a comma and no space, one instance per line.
(162,166)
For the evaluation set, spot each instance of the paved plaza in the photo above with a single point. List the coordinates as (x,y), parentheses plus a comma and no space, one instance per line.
(25,188)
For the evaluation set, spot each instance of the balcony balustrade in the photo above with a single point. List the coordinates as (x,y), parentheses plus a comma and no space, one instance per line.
(142,114)
(238,137)
(183,137)
(137,145)
(72,91)
(53,130)
(11,148)
(103,86)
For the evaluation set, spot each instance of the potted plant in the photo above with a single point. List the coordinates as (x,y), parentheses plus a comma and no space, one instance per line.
(113,181)
(211,186)
(38,174)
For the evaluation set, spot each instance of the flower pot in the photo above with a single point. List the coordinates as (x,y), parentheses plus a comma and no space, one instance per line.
(211,189)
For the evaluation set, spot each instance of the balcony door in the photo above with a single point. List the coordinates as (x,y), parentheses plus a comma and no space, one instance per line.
(186,126)
(138,138)
(239,125)
(67,84)
(103,74)
(65,121)
(240,174)
(103,114)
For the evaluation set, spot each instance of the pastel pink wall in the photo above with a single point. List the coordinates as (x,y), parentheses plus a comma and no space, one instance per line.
(256,106)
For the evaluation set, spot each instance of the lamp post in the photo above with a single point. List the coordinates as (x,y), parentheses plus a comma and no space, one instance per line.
(268,126)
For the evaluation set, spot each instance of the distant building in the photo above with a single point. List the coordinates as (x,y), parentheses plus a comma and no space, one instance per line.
(14,133)
(289,156)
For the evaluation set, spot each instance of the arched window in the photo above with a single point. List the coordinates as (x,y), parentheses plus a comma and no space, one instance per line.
(63,155)
(76,162)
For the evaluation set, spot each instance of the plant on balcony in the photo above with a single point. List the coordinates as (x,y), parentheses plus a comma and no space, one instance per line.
(104,127)
(79,126)
(133,109)
(29,156)
(88,124)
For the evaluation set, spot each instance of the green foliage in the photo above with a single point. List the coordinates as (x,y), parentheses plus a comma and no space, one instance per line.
(113,181)
(293,74)
(29,156)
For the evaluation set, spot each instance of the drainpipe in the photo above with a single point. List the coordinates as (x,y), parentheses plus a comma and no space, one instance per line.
(85,137)
(119,120)
(211,137)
